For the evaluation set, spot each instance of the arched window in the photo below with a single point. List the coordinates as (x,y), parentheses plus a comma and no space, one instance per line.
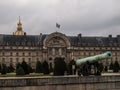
(3,60)
(11,60)
(57,51)
(50,51)
(17,54)
(23,54)
(63,51)
(11,53)
(17,60)
(29,61)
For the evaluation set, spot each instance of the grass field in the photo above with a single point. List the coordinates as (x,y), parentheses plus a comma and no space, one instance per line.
(30,75)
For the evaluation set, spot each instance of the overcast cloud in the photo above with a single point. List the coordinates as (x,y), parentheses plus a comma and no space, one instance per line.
(89,17)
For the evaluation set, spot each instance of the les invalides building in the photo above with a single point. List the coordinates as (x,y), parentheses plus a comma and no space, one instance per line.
(31,48)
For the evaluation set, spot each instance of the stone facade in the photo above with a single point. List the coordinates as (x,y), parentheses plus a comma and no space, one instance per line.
(61,83)
(31,48)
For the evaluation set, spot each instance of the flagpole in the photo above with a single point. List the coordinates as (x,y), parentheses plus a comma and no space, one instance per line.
(57,26)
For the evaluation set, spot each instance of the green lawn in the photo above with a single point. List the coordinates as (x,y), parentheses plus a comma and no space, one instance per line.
(8,75)
(30,75)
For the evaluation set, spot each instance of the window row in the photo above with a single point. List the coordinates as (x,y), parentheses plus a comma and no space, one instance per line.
(93,53)
(18,60)
(17,54)
(56,51)
(96,48)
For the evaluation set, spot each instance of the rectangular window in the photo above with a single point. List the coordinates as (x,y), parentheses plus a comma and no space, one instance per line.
(23,54)
(3,60)
(57,51)
(11,53)
(17,60)
(17,54)
(29,60)
(10,47)
(3,54)
(29,54)
(23,59)
(37,59)
(36,53)
(63,51)
(11,60)
(50,51)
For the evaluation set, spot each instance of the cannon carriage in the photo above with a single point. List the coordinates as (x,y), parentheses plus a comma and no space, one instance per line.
(84,66)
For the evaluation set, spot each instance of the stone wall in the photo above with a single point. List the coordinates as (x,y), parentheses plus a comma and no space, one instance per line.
(61,83)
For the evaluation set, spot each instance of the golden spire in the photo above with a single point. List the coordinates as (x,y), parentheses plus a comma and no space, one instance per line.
(19,28)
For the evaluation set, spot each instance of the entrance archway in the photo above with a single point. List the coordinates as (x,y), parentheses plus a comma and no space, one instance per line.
(56,45)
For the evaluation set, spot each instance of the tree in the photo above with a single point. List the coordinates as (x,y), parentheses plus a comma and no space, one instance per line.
(71,67)
(59,66)
(116,67)
(99,68)
(20,71)
(3,69)
(111,67)
(18,65)
(10,68)
(38,67)
(30,70)
(106,68)
(0,67)
(45,67)
(51,68)
(25,67)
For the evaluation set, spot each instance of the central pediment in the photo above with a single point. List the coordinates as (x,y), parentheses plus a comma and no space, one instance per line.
(56,39)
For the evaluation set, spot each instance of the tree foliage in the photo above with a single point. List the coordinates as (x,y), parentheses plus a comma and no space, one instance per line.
(45,67)
(51,68)
(116,67)
(111,67)
(3,69)
(71,67)
(18,65)
(30,70)
(20,71)
(25,67)
(59,66)
(10,68)
(38,67)
(99,68)
(0,67)
(106,68)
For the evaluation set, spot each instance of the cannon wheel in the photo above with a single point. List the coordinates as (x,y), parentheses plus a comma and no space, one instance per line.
(86,69)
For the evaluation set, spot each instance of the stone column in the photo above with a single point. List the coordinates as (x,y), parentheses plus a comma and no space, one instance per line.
(60,51)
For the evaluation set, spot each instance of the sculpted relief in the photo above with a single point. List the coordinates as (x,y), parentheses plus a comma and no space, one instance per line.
(56,42)
(56,45)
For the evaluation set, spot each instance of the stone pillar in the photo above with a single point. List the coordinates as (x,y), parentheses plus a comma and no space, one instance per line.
(60,51)
(53,51)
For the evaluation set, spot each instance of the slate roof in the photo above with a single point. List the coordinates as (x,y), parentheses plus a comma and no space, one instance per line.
(73,40)
(37,40)
(93,41)
(20,40)
(42,39)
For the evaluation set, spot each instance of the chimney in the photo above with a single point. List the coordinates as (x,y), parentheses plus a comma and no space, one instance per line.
(24,33)
(110,40)
(110,37)
(118,39)
(79,38)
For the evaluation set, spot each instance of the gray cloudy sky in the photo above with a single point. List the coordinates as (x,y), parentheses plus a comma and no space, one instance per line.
(89,17)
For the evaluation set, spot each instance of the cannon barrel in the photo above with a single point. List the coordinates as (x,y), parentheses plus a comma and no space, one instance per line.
(91,59)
